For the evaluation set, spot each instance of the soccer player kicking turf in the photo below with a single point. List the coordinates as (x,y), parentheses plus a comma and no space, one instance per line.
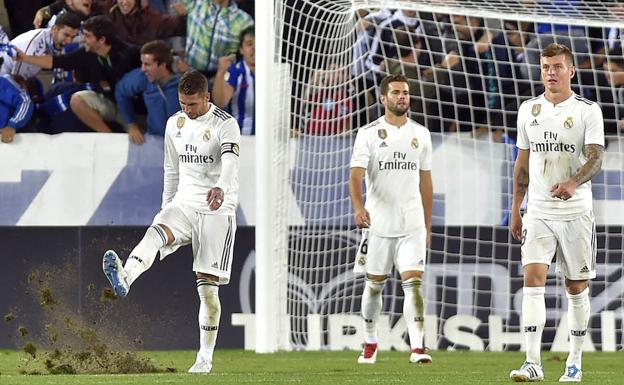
(395,155)
(560,143)
(198,207)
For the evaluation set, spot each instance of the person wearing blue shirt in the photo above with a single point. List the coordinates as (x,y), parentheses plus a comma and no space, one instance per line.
(234,87)
(16,108)
(157,83)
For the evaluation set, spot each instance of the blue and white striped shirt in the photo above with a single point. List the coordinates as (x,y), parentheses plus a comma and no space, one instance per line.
(243,103)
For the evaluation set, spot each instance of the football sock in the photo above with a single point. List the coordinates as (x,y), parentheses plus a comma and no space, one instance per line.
(371,307)
(533,321)
(414,311)
(209,315)
(578,317)
(143,255)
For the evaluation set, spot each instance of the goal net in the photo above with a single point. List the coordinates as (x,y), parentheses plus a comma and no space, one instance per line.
(470,65)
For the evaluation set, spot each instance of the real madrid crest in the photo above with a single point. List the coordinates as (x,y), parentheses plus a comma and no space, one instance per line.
(206,136)
(537,108)
(414,143)
(382,133)
(180,121)
(568,122)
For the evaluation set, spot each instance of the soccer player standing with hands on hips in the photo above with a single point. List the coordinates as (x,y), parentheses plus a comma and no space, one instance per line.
(394,153)
(198,207)
(561,144)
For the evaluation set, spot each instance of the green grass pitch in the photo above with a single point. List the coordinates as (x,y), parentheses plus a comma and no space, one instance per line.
(315,368)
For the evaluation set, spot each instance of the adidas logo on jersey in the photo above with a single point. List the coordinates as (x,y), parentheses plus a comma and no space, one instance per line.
(383,144)
(215,265)
(585,269)
(534,123)
(179,134)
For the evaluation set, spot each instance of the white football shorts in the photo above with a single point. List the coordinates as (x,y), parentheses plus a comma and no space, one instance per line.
(572,242)
(406,253)
(212,238)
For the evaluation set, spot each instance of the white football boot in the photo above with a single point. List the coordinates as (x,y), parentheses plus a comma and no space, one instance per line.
(368,355)
(418,356)
(202,365)
(528,372)
(572,374)
(114,271)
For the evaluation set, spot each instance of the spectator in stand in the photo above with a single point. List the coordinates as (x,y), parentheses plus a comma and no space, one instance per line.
(384,46)
(43,41)
(158,85)
(103,61)
(614,72)
(20,13)
(135,22)
(330,106)
(46,16)
(235,86)
(16,107)
(213,31)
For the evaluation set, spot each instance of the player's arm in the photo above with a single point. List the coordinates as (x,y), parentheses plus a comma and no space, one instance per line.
(520,187)
(426,195)
(362,217)
(171,168)
(228,178)
(565,190)
(43,61)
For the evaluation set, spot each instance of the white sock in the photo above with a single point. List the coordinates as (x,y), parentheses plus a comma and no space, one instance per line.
(143,255)
(371,307)
(578,317)
(414,311)
(533,321)
(209,316)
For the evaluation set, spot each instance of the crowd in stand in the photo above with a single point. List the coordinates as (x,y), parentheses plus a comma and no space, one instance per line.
(467,74)
(116,64)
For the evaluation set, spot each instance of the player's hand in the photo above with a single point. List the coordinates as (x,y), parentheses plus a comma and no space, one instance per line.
(19,54)
(8,134)
(215,198)
(564,190)
(515,225)
(135,133)
(362,219)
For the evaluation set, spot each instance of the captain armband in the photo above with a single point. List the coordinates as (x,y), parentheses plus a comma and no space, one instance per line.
(229,147)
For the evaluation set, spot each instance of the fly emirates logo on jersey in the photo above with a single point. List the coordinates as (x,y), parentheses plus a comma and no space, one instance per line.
(399,162)
(191,156)
(551,144)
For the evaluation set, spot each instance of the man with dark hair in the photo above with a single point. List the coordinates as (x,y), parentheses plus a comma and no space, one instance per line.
(158,85)
(44,41)
(199,206)
(560,149)
(235,83)
(103,61)
(394,153)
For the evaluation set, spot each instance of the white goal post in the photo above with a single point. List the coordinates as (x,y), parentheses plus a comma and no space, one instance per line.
(318,66)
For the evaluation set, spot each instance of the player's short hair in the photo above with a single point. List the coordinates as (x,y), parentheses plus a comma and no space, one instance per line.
(68,19)
(616,57)
(160,51)
(555,49)
(192,83)
(385,83)
(101,26)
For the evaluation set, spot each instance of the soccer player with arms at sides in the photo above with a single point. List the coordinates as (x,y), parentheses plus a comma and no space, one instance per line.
(561,144)
(394,153)
(198,206)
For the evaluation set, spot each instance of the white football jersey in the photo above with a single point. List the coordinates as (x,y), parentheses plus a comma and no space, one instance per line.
(393,158)
(555,136)
(37,42)
(193,149)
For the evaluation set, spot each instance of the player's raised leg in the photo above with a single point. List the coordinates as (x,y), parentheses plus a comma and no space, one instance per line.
(141,258)
(371,308)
